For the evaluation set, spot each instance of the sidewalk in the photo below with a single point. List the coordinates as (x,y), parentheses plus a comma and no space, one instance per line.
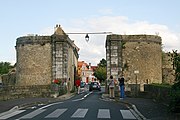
(24,102)
(147,108)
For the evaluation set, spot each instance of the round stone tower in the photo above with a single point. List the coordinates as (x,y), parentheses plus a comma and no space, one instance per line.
(137,57)
(42,60)
(34,60)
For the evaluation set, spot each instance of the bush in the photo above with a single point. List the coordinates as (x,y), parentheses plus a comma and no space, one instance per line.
(175,98)
(162,85)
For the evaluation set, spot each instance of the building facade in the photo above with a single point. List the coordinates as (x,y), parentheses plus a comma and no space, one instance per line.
(42,59)
(86,72)
(137,57)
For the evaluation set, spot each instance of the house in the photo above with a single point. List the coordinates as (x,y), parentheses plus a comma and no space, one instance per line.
(86,71)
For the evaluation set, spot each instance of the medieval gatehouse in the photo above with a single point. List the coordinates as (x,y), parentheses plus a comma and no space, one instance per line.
(137,57)
(43,59)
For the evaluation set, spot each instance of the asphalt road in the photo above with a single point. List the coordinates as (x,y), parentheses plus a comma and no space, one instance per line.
(86,106)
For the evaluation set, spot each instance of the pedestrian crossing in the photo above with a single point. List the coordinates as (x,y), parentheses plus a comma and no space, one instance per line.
(103,113)
(78,113)
(56,113)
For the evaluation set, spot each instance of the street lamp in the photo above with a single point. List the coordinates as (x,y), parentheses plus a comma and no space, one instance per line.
(87,34)
(87,37)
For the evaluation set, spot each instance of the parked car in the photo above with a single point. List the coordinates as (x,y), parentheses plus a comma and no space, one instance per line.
(82,85)
(94,86)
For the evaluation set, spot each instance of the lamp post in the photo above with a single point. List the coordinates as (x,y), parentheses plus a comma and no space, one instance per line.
(87,34)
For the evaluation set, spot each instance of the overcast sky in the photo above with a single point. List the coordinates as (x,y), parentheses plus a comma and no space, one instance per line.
(21,17)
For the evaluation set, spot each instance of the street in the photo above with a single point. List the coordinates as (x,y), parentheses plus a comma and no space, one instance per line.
(86,105)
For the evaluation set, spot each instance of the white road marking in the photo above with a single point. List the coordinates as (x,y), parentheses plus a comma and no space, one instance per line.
(82,97)
(56,113)
(80,113)
(11,114)
(103,113)
(50,105)
(127,114)
(32,114)
(77,100)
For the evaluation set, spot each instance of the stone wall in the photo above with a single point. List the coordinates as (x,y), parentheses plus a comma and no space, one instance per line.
(159,93)
(145,58)
(167,69)
(138,57)
(8,79)
(14,92)
(64,59)
(33,60)
(41,60)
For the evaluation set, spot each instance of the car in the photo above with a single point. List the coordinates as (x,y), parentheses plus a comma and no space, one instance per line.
(94,86)
(82,85)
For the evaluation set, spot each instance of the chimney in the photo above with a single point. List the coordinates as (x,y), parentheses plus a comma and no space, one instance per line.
(58,30)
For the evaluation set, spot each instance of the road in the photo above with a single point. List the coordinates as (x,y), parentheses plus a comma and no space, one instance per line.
(86,106)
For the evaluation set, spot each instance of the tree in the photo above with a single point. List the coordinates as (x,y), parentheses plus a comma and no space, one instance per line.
(102,63)
(176,65)
(175,90)
(5,67)
(100,72)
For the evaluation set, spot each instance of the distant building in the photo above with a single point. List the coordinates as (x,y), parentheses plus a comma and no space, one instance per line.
(80,64)
(86,72)
(43,59)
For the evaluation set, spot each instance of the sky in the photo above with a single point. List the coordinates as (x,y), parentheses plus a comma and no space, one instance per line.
(154,17)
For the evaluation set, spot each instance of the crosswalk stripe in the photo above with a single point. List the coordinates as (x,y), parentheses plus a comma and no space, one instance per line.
(11,114)
(56,113)
(80,113)
(103,113)
(127,114)
(33,114)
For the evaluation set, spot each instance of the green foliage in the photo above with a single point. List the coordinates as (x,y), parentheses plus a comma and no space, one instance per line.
(162,85)
(176,64)
(123,45)
(175,98)
(100,72)
(102,63)
(5,67)
(175,91)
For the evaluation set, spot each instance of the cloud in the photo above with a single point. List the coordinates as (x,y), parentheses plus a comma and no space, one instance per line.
(94,50)
(105,11)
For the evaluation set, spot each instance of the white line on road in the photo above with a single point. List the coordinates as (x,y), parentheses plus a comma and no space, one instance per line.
(82,97)
(11,114)
(50,105)
(103,113)
(77,99)
(127,114)
(56,113)
(80,113)
(32,114)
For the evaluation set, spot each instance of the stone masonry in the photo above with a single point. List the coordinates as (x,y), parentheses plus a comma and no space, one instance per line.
(138,57)
(33,60)
(42,59)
